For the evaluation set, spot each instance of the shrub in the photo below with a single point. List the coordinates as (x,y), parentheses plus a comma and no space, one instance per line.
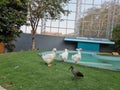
(116,37)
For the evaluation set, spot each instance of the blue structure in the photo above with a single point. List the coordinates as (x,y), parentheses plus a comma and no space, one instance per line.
(89,44)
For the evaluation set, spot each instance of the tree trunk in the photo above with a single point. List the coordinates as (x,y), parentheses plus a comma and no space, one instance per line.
(33,39)
(33,42)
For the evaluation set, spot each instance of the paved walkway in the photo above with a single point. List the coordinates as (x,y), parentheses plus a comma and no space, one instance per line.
(1,88)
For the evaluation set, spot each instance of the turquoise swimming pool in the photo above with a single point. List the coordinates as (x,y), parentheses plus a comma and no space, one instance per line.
(91,59)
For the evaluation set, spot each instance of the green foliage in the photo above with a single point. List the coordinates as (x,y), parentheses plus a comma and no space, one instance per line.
(10,47)
(13,15)
(27,71)
(117,45)
(116,37)
(48,8)
(3,2)
(116,33)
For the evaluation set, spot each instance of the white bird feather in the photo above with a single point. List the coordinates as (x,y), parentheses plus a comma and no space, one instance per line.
(77,57)
(64,55)
(48,58)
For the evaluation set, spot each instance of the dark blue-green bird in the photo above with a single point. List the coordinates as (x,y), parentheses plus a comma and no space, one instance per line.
(76,73)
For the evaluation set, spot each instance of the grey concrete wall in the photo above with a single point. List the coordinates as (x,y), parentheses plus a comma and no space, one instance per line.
(43,42)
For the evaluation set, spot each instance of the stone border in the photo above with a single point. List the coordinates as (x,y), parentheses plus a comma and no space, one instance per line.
(1,88)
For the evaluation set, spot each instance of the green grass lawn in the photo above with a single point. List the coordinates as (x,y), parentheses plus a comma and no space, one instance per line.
(27,71)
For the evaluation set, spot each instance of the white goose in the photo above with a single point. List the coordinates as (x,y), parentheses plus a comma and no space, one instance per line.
(64,55)
(48,58)
(77,56)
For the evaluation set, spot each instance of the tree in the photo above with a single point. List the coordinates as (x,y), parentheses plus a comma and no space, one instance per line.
(3,2)
(98,22)
(116,37)
(39,9)
(116,33)
(13,14)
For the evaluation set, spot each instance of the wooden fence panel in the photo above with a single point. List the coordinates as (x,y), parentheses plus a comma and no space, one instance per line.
(1,48)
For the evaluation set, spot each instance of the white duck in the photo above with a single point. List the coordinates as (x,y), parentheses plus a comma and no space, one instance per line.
(48,58)
(77,56)
(64,55)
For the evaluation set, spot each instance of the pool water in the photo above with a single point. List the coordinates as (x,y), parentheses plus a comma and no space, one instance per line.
(90,59)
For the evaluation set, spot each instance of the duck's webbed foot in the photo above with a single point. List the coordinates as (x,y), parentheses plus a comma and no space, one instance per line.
(49,65)
(76,62)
